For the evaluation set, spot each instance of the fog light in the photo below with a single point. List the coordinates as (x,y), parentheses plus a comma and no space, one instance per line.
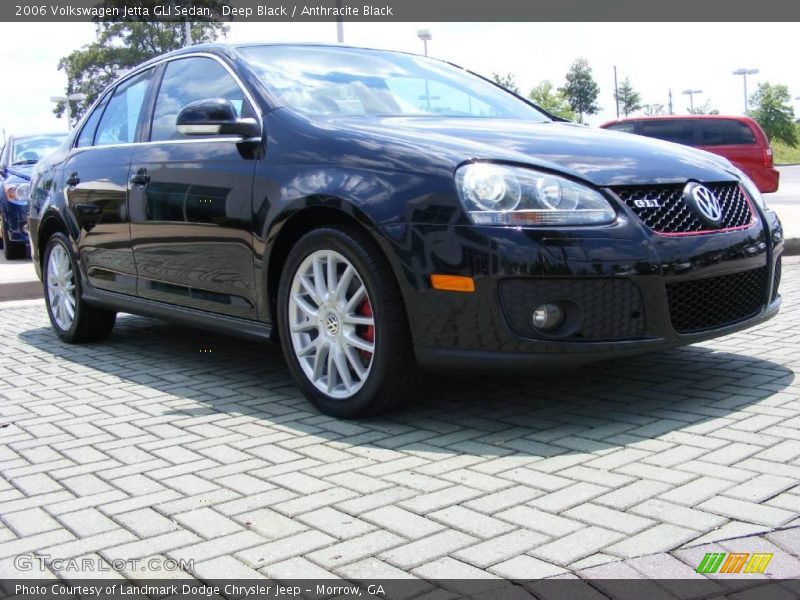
(547,316)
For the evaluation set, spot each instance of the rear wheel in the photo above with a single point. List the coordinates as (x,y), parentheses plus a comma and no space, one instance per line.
(72,319)
(343,326)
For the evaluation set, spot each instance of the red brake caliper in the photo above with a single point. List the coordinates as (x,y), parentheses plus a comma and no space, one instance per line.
(367,332)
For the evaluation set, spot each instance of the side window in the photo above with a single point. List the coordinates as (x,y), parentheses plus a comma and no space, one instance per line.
(86,137)
(625,127)
(118,123)
(680,131)
(188,80)
(723,132)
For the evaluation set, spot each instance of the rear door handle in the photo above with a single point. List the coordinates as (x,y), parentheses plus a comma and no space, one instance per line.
(141,177)
(73,180)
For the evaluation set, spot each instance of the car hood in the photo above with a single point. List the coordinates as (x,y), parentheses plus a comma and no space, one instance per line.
(21,171)
(605,158)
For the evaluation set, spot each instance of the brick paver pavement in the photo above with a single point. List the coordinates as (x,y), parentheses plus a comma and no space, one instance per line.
(173,443)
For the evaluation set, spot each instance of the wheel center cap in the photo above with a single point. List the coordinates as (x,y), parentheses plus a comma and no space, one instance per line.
(331,324)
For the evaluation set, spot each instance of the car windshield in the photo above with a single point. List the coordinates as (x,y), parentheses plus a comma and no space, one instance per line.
(321,80)
(29,150)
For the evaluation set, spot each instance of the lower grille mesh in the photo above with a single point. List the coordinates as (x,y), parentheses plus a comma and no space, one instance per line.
(716,301)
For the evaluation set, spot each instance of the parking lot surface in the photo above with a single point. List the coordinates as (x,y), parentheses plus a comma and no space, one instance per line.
(169,442)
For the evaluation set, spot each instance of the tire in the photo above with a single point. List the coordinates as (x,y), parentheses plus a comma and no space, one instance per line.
(340,321)
(14,250)
(62,294)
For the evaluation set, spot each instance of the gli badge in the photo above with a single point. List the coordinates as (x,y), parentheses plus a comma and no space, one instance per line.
(704,202)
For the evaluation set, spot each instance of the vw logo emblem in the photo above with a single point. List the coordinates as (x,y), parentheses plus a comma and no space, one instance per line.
(332,324)
(705,202)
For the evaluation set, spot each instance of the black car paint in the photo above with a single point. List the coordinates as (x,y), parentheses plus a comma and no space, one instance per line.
(394,176)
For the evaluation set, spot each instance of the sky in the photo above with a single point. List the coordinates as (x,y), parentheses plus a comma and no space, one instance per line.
(655,56)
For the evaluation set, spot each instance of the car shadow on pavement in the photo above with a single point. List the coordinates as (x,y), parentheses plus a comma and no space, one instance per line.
(192,373)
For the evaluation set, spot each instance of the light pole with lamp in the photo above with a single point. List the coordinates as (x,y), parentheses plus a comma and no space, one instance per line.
(66,100)
(425,36)
(744,73)
(691,94)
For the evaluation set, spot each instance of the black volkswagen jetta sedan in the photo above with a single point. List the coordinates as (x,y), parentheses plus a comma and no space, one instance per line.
(375,211)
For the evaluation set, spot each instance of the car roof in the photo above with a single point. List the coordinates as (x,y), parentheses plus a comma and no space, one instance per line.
(35,135)
(676,117)
(221,49)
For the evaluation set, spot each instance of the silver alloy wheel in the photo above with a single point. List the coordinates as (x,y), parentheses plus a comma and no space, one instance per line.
(61,287)
(331,324)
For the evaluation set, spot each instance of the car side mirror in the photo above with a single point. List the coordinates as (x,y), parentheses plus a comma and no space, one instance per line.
(215,117)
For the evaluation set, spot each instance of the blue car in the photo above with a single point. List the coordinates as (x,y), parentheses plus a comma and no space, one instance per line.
(17,160)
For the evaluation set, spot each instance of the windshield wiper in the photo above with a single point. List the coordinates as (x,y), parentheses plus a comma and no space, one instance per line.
(29,161)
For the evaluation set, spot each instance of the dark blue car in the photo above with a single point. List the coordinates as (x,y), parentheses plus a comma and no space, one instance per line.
(19,156)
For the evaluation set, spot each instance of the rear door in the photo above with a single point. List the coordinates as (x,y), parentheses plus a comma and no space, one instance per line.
(191,212)
(96,185)
(732,139)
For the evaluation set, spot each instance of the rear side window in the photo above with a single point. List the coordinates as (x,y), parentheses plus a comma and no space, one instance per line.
(119,120)
(725,132)
(680,131)
(626,127)
(188,80)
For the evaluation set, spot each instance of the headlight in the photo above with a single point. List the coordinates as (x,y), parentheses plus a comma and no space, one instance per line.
(495,194)
(10,190)
(23,192)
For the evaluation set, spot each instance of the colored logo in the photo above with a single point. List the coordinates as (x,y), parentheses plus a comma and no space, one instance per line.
(734,562)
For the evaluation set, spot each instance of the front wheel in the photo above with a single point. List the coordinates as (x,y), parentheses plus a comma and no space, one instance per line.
(343,326)
(73,320)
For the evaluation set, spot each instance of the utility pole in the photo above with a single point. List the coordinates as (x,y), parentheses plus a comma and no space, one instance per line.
(670,102)
(616,90)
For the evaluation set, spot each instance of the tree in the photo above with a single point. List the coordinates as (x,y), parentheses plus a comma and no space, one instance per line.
(771,107)
(653,110)
(627,98)
(581,90)
(552,100)
(508,81)
(122,45)
(703,109)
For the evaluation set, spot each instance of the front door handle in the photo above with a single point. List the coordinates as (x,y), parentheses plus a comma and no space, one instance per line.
(73,180)
(141,177)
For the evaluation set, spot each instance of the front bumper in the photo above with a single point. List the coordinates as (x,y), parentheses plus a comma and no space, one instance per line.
(629,286)
(15,219)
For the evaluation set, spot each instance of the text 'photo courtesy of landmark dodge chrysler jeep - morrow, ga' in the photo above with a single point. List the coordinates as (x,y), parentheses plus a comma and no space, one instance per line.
(376,211)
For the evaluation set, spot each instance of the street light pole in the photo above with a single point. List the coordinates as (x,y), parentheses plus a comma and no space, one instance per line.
(691,94)
(425,36)
(66,100)
(616,90)
(744,73)
(339,23)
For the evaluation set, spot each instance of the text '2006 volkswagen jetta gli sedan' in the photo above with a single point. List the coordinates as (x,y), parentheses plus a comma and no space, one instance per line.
(375,211)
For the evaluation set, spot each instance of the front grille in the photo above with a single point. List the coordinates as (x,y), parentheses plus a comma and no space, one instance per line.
(674,215)
(776,280)
(716,301)
(611,309)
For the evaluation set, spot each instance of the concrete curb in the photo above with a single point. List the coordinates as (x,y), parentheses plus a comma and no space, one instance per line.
(791,247)
(21,290)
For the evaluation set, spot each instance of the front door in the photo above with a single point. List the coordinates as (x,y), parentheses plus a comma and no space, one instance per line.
(96,189)
(191,200)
